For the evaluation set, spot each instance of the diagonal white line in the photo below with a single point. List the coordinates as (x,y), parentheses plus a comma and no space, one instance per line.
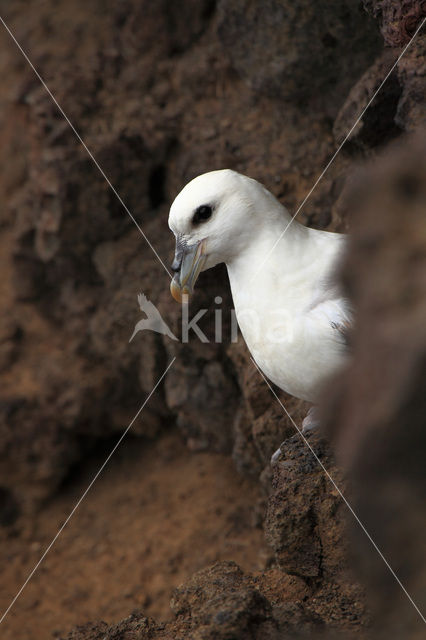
(341,495)
(78,136)
(96,476)
(339,148)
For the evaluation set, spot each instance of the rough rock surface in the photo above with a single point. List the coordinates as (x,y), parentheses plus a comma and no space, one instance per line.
(162,109)
(161,92)
(224,603)
(398,20)
(306,527)
(318,34)
(381,440)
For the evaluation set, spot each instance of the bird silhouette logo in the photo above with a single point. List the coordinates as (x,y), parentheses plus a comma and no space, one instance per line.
(153,321)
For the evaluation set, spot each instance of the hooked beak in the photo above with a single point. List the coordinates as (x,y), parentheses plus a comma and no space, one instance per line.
(187,265)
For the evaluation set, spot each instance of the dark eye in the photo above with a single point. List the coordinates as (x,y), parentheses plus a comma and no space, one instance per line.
(202,213)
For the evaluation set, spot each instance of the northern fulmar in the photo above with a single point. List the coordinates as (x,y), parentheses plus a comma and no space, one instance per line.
(289,307)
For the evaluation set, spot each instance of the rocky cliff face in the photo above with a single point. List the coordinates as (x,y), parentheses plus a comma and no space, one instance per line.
(380,439)
(161,92)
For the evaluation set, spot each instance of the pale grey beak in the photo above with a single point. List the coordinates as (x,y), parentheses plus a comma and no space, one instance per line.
(187,264)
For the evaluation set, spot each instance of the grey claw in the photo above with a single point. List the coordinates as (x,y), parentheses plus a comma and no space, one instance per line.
(275,456)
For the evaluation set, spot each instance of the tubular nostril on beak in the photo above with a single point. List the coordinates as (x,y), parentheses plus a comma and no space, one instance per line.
(177,262)
(175,266)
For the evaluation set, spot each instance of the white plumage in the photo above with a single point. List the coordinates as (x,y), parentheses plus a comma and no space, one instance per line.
(287,302)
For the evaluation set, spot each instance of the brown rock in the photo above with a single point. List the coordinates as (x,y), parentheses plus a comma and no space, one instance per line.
(306,527)
(378,124)
(412,76)
(398,20)
(153,90)
(292,50)
(221,603)
(378,412)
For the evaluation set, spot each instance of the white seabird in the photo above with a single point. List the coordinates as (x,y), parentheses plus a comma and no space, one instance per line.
(289,308)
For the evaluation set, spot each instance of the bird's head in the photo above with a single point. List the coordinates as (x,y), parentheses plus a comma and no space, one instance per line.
(213,219)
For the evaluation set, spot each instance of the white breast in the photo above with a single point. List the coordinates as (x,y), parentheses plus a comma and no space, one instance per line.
(288,312)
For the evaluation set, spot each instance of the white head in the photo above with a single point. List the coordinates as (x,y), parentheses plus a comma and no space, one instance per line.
(214,218)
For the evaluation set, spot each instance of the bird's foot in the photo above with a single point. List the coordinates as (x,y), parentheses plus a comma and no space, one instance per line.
(311,421)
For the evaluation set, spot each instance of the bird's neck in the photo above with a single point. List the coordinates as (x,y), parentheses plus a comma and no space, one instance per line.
(275,249)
